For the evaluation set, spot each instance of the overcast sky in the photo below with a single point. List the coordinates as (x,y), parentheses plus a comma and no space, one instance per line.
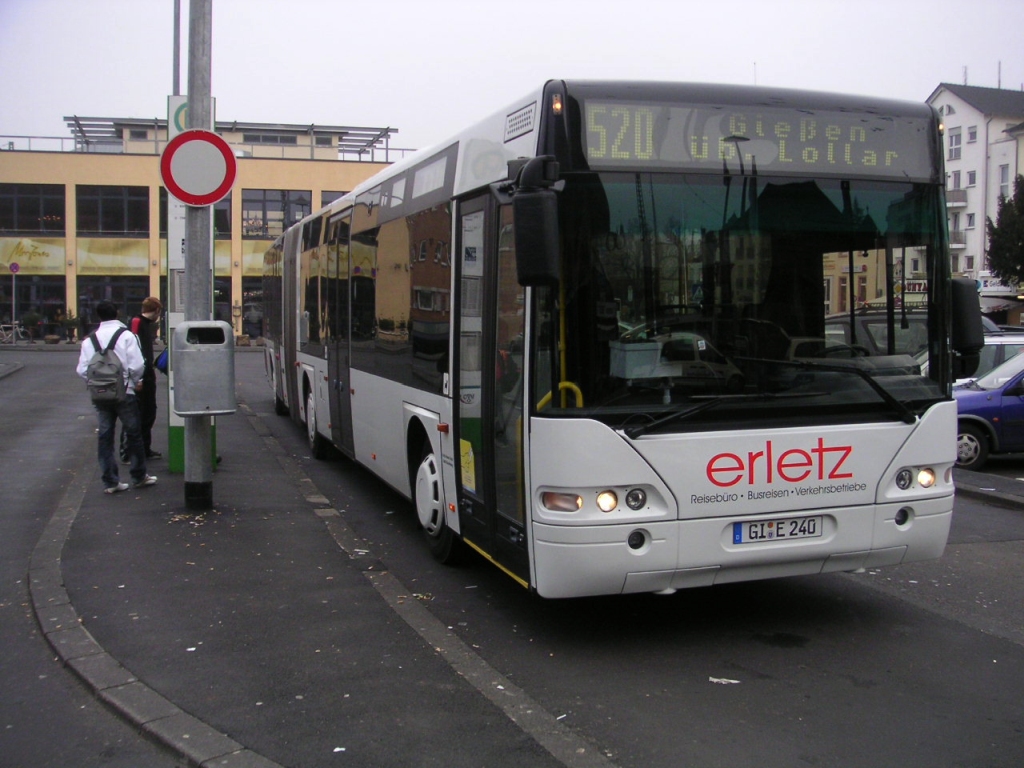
(430,67)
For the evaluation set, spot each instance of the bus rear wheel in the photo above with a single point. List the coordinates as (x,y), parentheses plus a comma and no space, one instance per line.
(428,500)
(317,444)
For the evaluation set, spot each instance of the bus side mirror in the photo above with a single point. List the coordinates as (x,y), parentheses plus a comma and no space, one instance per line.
(967,335)
(535,215)
(535,223)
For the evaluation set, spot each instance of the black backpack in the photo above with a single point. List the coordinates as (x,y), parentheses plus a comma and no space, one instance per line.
(104,376)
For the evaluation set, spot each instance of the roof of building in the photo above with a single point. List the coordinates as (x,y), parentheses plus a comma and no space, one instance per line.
(350,138)
(988,101)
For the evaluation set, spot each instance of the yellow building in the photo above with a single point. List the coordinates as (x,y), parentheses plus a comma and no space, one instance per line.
(85,219)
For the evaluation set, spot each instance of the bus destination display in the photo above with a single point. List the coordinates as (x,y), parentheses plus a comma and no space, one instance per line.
(755,139)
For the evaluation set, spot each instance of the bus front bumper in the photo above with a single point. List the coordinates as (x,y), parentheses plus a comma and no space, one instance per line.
(577,561)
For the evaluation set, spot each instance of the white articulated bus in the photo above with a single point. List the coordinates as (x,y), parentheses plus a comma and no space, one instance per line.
(598,337)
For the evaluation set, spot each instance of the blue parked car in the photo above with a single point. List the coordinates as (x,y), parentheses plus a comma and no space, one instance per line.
(991,414)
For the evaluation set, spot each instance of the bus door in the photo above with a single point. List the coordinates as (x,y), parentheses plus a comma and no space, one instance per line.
(290,302)
(489,384)
(337,239)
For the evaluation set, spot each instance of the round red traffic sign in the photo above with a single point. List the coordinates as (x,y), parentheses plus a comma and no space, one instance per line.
(198,167)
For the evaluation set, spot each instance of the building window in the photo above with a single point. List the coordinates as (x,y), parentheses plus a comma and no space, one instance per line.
(268,138)
(109,210)
(126,293)
(954,144)
(138,134)
(32,208)
(955,263)
(222,299)
(328,197)
(972,134)
(970,221)
(323,141)
(1004,181)
(222,218)
(972,178)
(969,263)
(955,180)
(252,306)
(266,213)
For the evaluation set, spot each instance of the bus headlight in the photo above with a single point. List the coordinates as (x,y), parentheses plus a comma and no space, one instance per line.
(607,501)
(905,478)
(636,498)
(562,502)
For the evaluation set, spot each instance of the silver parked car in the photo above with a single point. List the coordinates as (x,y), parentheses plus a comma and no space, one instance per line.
(999,347)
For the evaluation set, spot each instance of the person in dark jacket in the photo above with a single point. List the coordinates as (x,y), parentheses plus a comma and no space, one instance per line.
(144,326)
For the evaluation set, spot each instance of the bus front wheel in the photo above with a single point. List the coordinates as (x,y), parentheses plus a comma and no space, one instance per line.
(429,502)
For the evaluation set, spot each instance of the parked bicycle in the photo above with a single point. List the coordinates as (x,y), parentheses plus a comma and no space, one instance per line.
(12,333)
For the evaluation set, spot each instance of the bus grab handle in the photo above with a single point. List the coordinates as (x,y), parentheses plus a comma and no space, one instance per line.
(562,385)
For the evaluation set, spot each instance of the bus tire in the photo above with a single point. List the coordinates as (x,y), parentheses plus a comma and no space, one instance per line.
(428,502)
(971,447)
(317,444)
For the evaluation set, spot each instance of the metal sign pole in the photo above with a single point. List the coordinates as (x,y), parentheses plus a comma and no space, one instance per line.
(198,256)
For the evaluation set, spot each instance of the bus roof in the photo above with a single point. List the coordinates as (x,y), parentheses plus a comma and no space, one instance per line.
(485,148)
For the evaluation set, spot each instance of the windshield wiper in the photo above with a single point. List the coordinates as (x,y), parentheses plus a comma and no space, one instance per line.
(906,415)
(711,401)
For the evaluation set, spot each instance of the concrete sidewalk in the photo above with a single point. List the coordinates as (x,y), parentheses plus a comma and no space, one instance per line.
(265,633)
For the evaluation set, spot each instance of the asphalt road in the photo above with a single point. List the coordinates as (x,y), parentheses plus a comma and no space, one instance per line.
(1009,465)
(912,666)
(906,666)
(47,718)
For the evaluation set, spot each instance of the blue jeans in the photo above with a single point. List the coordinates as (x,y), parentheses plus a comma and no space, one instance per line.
(128,413)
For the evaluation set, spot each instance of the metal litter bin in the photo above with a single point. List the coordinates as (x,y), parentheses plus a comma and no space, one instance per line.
(203,361)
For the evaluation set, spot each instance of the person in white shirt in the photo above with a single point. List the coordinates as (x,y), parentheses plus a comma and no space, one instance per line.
(127,411)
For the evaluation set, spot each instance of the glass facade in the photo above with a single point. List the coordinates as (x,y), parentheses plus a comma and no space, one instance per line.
(110,210)
(70,245)
(266,213)
(126,293)
(32,208)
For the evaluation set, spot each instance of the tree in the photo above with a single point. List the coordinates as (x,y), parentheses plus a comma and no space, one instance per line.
(1006,237)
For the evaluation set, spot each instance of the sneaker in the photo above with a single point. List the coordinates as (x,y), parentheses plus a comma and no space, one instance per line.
(119,487)
(154,455)
(147,480)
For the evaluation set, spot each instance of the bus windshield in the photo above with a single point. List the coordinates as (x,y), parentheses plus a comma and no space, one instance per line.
(797,299)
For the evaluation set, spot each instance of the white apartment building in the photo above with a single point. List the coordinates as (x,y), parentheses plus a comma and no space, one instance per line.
(984,148)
